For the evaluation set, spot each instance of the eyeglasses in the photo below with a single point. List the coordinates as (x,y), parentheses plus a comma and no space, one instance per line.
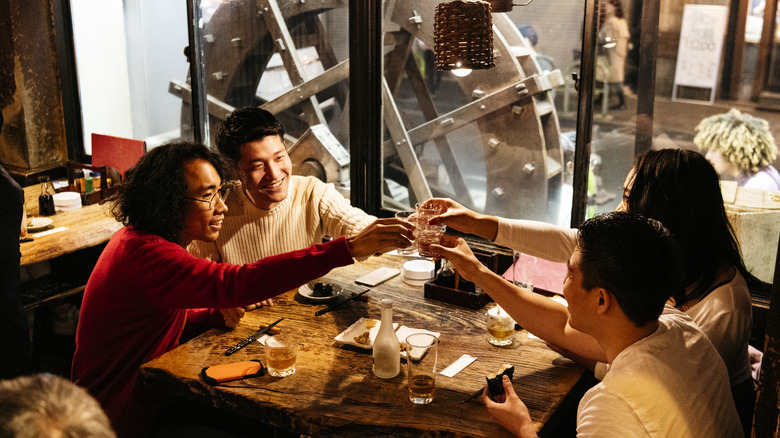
(222,194)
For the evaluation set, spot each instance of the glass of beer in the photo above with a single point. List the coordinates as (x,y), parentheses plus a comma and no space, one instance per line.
(421,358)
(280,354)
(500,327)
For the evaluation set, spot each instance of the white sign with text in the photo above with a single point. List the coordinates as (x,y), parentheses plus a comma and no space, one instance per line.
(701,42)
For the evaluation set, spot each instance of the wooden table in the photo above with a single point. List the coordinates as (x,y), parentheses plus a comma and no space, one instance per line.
(87,227)
(334,391)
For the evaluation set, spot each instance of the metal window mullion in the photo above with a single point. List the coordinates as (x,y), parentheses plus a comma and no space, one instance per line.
(199,104)
(579,206)
(645,93)
(365,104)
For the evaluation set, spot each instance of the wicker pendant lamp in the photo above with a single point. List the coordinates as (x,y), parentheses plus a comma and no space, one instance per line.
(463,35)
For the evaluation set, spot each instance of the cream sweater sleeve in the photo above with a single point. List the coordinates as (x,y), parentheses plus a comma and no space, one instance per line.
(339,217)
(538,239)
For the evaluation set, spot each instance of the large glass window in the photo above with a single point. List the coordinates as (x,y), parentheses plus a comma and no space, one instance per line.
(291,59)
(127,53)
(498,140)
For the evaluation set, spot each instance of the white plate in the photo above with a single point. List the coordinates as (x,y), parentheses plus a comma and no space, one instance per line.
(38,224)
(307,290)
(358,328)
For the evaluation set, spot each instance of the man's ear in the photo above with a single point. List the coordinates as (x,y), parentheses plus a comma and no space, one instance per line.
(604,300)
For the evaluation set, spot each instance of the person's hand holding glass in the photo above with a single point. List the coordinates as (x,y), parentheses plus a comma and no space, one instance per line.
(426,233)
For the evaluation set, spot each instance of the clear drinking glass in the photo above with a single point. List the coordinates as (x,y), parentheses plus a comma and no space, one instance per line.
(280,355)
(411,217)
(523,268)
(425,236)
(425,214)
(500,327)
(421,359)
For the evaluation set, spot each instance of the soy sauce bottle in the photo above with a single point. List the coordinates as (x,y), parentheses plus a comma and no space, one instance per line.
(46,198)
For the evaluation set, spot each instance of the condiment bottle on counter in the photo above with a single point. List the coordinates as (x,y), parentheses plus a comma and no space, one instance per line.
(95,180)
(78,181)
(447,274)
(46,198)
(387,349)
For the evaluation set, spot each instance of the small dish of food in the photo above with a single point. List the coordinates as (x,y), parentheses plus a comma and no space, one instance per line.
(38,224)
(362,333)
(320,290)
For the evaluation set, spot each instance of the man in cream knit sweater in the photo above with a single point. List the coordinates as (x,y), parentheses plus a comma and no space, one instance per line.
(276,211)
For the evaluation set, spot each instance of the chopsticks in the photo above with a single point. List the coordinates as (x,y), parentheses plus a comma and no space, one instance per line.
(252,337)
(476,394)
(333,306)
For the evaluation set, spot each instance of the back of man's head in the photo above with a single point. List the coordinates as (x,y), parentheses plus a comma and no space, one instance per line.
(49,406)
(632,257)
(246,125)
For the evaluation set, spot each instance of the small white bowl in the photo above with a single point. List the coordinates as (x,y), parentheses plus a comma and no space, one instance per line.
(67,199)
(418,270)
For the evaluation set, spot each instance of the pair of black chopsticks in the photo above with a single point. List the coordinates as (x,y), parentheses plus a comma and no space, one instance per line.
(333,306)
(251,338)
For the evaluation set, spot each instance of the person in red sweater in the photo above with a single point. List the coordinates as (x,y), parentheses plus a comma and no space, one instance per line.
(146,288)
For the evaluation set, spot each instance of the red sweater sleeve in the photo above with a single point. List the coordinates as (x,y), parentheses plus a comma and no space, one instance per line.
(172,278)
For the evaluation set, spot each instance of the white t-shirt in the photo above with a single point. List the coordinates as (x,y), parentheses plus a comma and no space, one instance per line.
(669,384)
(311,210)
(725,315)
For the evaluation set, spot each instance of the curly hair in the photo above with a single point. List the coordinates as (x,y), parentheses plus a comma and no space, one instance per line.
(681,189)
(151,199)
(745,140)
(245,125)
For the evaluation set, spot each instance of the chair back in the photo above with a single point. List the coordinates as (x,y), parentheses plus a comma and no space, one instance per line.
(117,152)
(766,419)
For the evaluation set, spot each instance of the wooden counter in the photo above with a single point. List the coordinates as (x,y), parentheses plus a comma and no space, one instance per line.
(334,392)
(87,226)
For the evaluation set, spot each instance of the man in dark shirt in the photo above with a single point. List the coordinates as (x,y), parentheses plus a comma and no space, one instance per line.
(16,358)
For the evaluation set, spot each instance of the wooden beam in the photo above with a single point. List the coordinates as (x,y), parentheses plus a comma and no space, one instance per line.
(764,57)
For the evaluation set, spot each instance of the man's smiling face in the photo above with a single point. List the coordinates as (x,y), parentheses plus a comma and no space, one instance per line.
(265,171)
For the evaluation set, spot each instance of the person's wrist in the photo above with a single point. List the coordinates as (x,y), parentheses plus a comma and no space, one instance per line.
(486,225)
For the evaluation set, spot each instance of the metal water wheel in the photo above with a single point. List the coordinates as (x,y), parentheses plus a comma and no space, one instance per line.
(506,112)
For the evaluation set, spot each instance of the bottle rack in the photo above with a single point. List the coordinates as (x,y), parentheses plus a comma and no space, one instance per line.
(96,195)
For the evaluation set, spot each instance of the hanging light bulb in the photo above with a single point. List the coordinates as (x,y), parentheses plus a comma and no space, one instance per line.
(461,72)
(463,36)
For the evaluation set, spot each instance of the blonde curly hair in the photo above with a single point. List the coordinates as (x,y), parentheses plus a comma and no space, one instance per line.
(745,140)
